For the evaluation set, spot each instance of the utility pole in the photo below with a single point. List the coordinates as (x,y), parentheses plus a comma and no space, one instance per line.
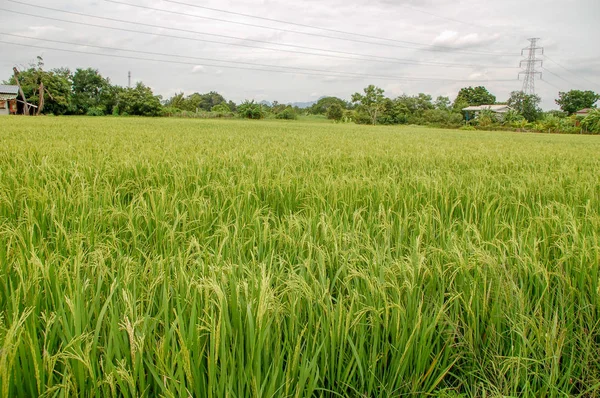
(530,65)
(25,104)
(129,77)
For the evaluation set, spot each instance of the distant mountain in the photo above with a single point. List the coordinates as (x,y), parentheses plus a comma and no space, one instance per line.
(303,105)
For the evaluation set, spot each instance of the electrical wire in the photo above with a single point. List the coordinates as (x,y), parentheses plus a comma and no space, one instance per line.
(433,47)
(373,58)
(222,60)
(561,78)
(295,23)
(245,68)
(570,71)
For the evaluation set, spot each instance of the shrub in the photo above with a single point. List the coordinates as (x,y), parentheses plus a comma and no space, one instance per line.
(335,112)
(591,123)
(95,111)
(287,114)
(250,110)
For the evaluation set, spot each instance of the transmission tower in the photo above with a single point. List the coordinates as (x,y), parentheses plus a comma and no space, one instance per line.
(530,65)
(129,78)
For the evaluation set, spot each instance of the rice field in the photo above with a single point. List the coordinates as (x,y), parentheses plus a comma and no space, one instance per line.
(194,258)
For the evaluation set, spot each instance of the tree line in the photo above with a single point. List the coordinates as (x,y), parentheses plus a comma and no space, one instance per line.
(87,92)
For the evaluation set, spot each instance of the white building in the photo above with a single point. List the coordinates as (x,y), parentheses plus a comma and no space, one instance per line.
(473,111)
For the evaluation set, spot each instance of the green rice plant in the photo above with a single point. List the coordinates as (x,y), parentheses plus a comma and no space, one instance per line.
(231,258)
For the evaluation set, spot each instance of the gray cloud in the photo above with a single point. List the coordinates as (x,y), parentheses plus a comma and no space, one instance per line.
(491,27)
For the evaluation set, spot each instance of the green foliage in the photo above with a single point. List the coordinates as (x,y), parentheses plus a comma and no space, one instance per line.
(323,105)
(576,100)
(442,118)
(442,103)
(176,258)
(371,102)
(486,118)
(197,102)
(221,108)
(287,114)
(139,101)
(526,105)
(474,96)
(57,84)
(512,117)
(250,110)
(91,90)
(591,123)
(95,112)
(335,112)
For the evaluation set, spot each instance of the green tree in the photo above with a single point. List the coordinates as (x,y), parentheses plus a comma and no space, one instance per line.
(591,122)
(250,110)
(288,113)
(57,87)
(526,105)
(91,92)
(372,102)
(323,104)
(475,96)
(139,101)
(177,101)
(576,100)
(335,112)
(442,103)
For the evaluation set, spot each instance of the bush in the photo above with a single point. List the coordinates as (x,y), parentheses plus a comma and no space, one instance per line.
(95,111)
(442,118)
(250,110)
(335,112)
(591,123)
(287,114)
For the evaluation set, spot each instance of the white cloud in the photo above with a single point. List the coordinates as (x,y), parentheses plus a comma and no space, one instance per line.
(198,69)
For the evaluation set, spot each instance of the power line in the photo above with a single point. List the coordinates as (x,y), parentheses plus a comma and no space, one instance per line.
(432,46)
(550,84)
(438,16)
(238,38)
(373,58)
(561,78)
(280,21)
(223,60)
(347,74)
(570,71)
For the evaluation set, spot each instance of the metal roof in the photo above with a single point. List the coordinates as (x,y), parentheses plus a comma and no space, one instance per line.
(5,89)
(493,108)
(6,97)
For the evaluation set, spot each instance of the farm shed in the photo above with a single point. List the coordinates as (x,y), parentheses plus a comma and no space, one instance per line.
(8,99)
(584,112)
(500,110)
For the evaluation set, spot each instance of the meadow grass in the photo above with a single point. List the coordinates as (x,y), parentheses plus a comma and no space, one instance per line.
(161,257)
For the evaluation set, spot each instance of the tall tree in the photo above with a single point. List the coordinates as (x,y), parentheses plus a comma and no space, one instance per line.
(474,96)
(139,101)
(442,103)
(372,101)
(323,104)
(91,91)
(56,93)
(526,105)
(576,100)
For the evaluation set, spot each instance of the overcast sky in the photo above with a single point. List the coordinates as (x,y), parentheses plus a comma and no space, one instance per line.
(482,39)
